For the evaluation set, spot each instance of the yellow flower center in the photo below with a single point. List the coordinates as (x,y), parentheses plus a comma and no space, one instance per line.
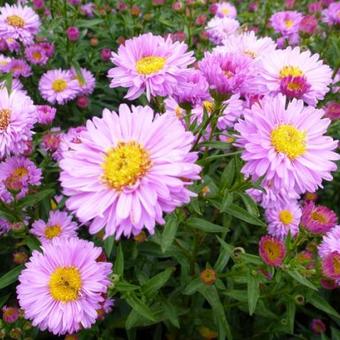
(179,112)
(228,74)
(59,85)
(125,164)
(52,231)
(36,55)
(292,86)
(150,65)
(209,106)
(15,21)
(250,54)
(292,71)
(288,140)
(272,250)
(316,216)
(286,217)
(336,264)
(289,23)
(4,118)
(65,284)
(19,172)
(225,11)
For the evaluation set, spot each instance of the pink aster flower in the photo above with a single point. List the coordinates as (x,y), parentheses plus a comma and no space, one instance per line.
(194,89)
(18,22)
(18,173)
(58,86)
(85,80)
(219,29)
(50,143)
(318,219)
(330,242)
(128,170)
(88,9)
(36,54)
(331,15)
(283,219)
(272,251)
(286,22)
(229,73)
(59,224)
(285,143)
(71,137)
(233,109)
(48,47)
(247,44)
(10,314)
(17,117)
(65,277)
(18,67)
(296,74)
(331,266)
(45,114)
(225,9)
(150,64)
(308,24)
(332,110)
(318,326)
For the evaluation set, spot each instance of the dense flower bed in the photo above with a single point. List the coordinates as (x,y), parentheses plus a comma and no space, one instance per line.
(169,169)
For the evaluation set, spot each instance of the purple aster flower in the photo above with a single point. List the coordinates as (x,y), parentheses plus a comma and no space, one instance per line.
(16,85)
(48,47)
(318,219)
(128,170)
(18,22)
(18,67)
(45,114)
(331,15)
(286,22)
(296,74)
(17,174)
(285,144)
(150,64)
(233,109)
(194,89)
(36,54)
(65,277)
(86,82)
(283,219)
(225,9)
(330,242)
(229,73)
(50,143)
(17,117)
(219,29)
(4,225)
(71,137)
(88,9)
(59,224)
(58,86)
(272,251)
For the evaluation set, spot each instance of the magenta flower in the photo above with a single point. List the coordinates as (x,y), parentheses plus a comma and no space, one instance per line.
(308,24)
(331,266)
(318,326)
(4,226)
(73,33)
(318,219)
(65,277)
(17,174)
(128,170)
(50,143)
(332,110)
(296,74)
(225,9)
(36,54)
(59,224)
(331,15)
(18,22)
(283,219)
(58,86)
(151,64)
(272,251)
(286,22)
(18,67)
(17,117)
(45,114)
(330,242)
(285,144)
(229,73)
(10,314)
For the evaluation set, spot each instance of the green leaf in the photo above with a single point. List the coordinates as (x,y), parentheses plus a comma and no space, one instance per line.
(35,198)
(243,215)
(108,245)
(155,283)
(253,292)
(119,264)
(211,295)
(291,309)
(320,303)
(3,299)
(301,279)
(222,260)
(139,306)
(227,247)
(193,286)
(123,286)
(250,205)
(169,232)
(88,23)
(10,276)
(228,174)
(32,242)
(208,227)
(170,313)
(239,295)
